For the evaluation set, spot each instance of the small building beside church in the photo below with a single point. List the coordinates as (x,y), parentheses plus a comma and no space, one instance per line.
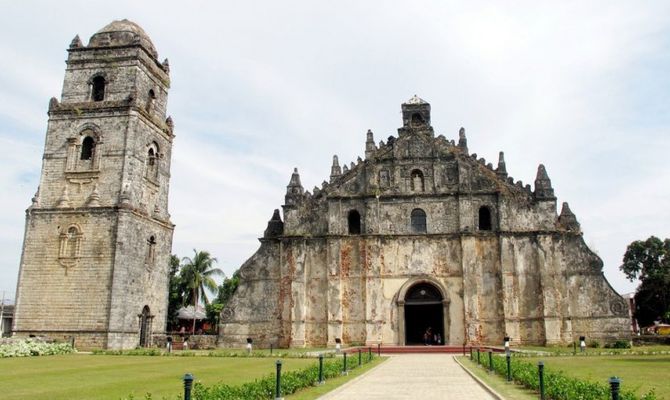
(419,235)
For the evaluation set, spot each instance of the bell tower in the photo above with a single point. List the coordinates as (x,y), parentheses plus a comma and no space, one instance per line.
(98,234)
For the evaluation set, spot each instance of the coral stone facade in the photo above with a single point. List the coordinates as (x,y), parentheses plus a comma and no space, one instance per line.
(420,235)
(98,234)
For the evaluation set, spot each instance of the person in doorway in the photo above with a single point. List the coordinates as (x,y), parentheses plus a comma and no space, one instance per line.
(428,336)
(438,339)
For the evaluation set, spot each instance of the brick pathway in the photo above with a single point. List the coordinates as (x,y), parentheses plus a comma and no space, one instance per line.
(413,376)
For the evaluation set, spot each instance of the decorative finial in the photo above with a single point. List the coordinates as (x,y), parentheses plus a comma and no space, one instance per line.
(568,219)
(124,197)
(543,189)
(275,226)
(94,198)
(53,103)
(502,168)
(64,200)
(76,42)
(462,140)
(369,144)
(335,169)
(166,65)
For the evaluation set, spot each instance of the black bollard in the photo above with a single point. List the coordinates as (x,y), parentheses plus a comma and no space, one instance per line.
(574,348)
(278,381)
(188,384)
(359,357)
(472,357)
(320,369)
(270,348)
(540,371)
(379,349)
(369,353)
(463,349)
(490,360)
(509,367)
(614,387)
(478,360)
(344,364)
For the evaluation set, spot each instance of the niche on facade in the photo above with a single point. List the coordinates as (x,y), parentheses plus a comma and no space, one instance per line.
(69,247)
(150,258)
(146,322)
(418,221)
(416,178)
(384,179)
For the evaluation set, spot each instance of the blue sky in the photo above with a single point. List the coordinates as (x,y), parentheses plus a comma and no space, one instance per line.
(259,88)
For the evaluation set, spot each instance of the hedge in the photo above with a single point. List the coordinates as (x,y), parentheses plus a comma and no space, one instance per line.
(557,385)
(291,382)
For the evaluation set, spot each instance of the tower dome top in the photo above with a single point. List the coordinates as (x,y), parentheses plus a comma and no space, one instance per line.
(122,33)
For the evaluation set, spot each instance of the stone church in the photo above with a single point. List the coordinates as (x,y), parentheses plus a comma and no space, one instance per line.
(421,234)
(98,234)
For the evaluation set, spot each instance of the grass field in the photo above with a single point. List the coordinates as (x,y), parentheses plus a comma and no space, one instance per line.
(83,376)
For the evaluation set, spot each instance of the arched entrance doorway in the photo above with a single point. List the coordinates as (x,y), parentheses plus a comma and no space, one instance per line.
(422,308)
(145,327)
(423,315)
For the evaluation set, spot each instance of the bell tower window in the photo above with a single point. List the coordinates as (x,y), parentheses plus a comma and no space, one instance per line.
(152,161)
(87,148)
(354,220)
(150,100)
(98,89)
(418,221)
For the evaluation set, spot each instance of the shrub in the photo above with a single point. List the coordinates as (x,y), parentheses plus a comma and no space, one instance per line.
(30,347)
(619,344)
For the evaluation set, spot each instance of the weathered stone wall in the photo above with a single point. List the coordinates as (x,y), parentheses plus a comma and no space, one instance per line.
(502,260)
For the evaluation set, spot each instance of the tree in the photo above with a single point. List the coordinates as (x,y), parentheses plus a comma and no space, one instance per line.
(226,291)
(197,276)
(649,261)
(175,294)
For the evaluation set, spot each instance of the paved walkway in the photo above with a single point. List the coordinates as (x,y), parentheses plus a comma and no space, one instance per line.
(413,376)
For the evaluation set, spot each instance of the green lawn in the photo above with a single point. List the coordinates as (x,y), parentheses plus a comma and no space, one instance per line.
(82,376)
(638,373)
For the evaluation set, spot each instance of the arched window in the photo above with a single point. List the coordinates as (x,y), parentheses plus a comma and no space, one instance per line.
(354,222)
(417,119)
(484,219)
(87,148)
(418,221)
(417,180)
(98,88)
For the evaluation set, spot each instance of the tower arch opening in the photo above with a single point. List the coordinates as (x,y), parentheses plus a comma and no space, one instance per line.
(98,88)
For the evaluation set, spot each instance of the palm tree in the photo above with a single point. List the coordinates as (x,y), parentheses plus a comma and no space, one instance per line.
(197,275)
